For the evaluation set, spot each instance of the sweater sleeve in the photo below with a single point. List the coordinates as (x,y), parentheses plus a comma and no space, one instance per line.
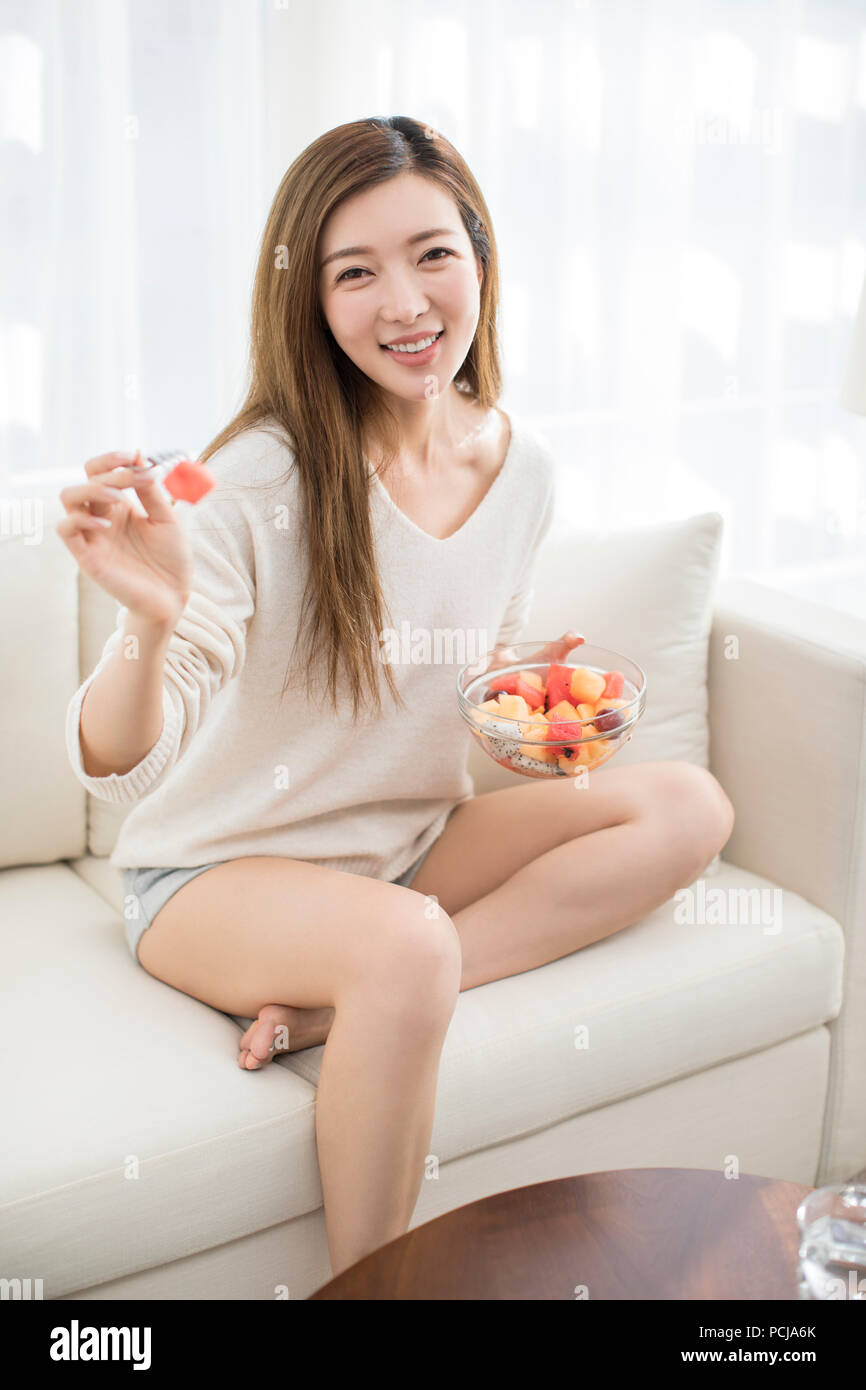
(206,650)
(517,612)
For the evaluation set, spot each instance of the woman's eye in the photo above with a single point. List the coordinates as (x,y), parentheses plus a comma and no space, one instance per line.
(447,251)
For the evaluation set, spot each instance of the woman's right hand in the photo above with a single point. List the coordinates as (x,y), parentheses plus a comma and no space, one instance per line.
(145,562)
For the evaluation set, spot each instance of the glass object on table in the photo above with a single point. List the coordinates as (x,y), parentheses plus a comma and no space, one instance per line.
(832,1254)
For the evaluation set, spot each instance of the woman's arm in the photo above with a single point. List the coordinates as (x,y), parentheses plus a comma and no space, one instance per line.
(122,711)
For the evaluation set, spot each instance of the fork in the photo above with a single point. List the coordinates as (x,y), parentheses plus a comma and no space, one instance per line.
(161,464)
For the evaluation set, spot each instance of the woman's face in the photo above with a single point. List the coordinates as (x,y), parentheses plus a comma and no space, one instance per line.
(405,267)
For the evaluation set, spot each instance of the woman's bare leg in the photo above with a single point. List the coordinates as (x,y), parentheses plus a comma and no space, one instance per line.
(238,933)
(375,1102)
(529,874)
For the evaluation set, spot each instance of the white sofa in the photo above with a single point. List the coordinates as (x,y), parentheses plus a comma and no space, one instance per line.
(140,1162)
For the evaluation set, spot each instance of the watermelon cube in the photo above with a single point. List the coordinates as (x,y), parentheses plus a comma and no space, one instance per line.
(515,684)
(558,684)
(189,481)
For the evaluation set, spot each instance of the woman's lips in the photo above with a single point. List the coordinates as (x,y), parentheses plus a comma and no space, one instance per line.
(416,359)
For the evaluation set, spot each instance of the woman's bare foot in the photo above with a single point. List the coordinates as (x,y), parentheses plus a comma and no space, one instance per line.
(282,1028)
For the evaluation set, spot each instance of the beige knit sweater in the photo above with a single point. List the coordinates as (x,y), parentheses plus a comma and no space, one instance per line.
(235,771)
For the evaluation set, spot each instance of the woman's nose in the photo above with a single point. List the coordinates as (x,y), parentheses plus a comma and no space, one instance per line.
(402,302)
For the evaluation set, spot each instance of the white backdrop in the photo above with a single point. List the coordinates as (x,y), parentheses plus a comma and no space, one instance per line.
(678,191)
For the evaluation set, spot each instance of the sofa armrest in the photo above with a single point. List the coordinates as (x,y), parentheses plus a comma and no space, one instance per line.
(787,709)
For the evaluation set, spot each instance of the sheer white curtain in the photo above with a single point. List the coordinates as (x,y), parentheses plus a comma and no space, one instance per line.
(678,192)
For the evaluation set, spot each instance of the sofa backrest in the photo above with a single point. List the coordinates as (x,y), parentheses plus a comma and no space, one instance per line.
(42,803)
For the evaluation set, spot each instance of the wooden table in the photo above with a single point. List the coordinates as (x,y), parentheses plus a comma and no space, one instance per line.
(637,1233)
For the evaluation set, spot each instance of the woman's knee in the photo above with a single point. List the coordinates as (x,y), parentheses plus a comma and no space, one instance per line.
(416,964)
(692,804)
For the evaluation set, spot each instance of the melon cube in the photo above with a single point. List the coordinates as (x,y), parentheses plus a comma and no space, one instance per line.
(512,706)
(586,685)
(490,706)
(535,746)
(563,710)
(599,749)
(532,678)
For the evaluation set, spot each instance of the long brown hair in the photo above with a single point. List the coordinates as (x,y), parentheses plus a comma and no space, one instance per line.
(301,378)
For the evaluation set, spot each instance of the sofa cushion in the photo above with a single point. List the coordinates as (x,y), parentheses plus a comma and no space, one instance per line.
(139,1140)
(102,877)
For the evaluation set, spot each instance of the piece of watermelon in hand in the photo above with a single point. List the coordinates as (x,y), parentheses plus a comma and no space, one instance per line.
(189,481)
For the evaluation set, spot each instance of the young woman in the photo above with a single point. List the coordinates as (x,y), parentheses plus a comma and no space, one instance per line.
(274,832)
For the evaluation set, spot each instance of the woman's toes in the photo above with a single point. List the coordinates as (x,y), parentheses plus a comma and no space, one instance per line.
(247,1060)
(262,1040)
(270,1032)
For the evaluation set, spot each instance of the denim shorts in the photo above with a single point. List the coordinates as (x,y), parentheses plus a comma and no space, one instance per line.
(152,888)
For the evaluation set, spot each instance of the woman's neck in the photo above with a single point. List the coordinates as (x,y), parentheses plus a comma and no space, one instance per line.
(440,432)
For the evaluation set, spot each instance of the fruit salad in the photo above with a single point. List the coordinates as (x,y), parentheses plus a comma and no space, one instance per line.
(552,720)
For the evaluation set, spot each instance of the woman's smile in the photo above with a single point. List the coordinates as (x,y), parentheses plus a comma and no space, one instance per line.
(410,355)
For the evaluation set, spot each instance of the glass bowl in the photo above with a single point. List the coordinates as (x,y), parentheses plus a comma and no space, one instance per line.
(525,744)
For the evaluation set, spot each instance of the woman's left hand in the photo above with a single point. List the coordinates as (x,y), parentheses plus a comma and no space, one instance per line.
(551,651)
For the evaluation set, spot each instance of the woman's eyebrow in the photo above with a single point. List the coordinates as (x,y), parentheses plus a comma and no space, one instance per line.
(368,250)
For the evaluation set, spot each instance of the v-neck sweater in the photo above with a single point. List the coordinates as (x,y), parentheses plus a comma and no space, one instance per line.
(237,772)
